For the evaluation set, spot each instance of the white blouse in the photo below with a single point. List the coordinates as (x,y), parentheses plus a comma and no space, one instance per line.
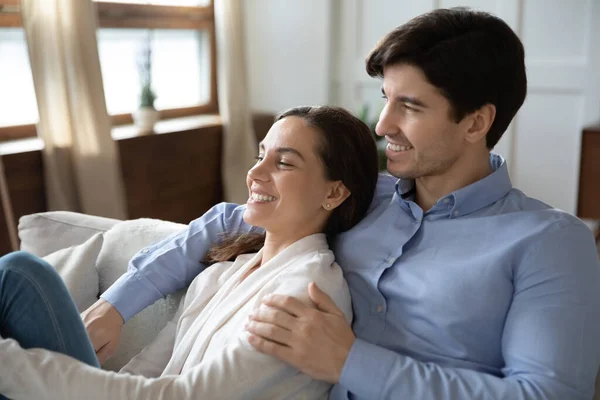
(203,353)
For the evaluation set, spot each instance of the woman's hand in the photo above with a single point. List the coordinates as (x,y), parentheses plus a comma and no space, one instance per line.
(103,324)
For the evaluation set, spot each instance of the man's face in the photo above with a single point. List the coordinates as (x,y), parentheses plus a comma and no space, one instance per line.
(423,139)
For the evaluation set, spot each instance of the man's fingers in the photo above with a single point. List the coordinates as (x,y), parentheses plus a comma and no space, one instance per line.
(270,332)
(289,304)
(104,353)
(277,350)
(96,340)
(322,300)
(273,316)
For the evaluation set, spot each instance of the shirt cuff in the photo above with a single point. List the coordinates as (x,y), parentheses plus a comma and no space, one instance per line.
(366,369)
(119,294)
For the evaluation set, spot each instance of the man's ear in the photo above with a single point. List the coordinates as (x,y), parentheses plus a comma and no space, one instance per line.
(481,121)
(338,192)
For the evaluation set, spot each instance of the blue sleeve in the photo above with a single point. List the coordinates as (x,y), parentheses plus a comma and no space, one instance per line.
(549,343)
(174,262)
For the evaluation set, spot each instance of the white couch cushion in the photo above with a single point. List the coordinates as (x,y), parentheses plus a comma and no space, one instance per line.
(120,244)
(45,233)
(77,266)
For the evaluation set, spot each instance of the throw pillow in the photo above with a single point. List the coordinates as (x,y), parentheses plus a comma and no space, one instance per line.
(77,267)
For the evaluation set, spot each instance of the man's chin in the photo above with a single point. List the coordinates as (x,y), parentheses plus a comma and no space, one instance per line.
(401,173)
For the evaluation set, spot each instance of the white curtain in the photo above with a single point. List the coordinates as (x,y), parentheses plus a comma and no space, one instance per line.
(239,141)
(80,158)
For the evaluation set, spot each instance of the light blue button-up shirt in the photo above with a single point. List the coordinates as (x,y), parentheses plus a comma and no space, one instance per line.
(488,295)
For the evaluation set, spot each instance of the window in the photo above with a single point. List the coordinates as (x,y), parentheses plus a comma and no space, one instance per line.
(18,108)
(190,3)
(180,67)
(182,38)
(18,100)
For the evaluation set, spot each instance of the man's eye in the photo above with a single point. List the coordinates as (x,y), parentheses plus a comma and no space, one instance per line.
(284,164)
(408,108)
(258,158)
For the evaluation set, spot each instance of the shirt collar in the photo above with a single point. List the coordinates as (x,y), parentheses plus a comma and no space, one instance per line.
(472,197)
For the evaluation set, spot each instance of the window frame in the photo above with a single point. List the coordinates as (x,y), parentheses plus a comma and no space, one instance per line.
(135,16)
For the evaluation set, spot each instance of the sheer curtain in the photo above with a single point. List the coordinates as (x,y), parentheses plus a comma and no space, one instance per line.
(82,171)
(239,141)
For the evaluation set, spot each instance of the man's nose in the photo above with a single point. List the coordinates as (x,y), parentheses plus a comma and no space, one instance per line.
(387,124)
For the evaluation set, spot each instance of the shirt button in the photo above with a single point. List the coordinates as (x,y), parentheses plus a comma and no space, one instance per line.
(455,213)
(390,261)
(145,251)
(379,308)
(446,200)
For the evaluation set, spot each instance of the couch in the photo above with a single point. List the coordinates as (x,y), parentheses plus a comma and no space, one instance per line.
(90,253)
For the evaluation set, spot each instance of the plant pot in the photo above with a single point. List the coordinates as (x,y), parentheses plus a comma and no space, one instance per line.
(145,118)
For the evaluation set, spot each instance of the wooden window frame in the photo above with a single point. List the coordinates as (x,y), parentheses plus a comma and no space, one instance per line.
(135,16)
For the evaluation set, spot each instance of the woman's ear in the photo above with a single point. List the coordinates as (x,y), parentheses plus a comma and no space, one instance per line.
(338,192)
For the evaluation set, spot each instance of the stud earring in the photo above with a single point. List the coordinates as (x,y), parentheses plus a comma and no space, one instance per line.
(328,206)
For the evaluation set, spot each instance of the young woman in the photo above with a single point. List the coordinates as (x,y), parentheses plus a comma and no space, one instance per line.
(314,177)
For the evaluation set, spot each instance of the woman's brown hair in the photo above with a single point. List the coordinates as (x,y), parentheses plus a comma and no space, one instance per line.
(349,154)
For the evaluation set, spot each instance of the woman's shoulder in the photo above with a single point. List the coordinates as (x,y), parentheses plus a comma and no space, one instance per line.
(319,267)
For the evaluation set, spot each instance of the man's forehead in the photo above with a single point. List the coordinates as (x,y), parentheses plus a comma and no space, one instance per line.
(409,81)
(403,76)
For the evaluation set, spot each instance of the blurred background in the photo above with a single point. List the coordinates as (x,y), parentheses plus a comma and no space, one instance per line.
(80,82)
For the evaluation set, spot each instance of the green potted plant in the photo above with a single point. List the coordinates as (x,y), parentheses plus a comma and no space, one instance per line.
(364,116)
(146,116)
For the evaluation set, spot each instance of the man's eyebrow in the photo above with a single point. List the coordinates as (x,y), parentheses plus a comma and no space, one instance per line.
(407,99)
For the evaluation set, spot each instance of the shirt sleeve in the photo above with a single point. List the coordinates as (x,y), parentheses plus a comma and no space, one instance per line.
(174,262)
(236,372)
(549,342)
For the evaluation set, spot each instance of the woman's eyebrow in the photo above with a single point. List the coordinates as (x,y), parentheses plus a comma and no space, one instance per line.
(281,150)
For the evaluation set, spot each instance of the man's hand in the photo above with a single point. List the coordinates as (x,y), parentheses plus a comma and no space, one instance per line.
(103,324)
(316,342)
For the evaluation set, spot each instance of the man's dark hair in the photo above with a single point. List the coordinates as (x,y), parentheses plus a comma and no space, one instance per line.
(472,57)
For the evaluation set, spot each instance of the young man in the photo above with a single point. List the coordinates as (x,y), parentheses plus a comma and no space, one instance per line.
(462,287)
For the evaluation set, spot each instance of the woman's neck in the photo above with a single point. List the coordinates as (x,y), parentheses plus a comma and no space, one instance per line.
(276,243)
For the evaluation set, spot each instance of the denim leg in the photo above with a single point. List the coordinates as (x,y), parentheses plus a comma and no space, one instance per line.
(37,310)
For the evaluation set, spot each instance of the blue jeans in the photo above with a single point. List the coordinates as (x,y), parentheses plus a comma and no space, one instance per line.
(37,310)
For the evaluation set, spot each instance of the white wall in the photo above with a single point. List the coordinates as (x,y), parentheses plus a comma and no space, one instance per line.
(313,51)
(288,52)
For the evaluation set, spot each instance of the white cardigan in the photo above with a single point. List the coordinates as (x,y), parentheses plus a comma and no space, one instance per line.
(205,353)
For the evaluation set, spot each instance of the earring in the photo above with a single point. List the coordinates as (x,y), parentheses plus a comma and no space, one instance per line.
(328,206)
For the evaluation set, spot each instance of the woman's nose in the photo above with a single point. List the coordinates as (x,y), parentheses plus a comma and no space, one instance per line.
(259,172)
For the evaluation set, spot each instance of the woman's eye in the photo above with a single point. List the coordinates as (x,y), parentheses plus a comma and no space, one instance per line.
(408,108)
(284,164)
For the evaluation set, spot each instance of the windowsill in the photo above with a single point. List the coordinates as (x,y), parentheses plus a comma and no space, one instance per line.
(21,146)
(168,126)
(122,132)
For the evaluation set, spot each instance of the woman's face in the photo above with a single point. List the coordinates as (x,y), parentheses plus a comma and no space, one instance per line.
(288,191)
